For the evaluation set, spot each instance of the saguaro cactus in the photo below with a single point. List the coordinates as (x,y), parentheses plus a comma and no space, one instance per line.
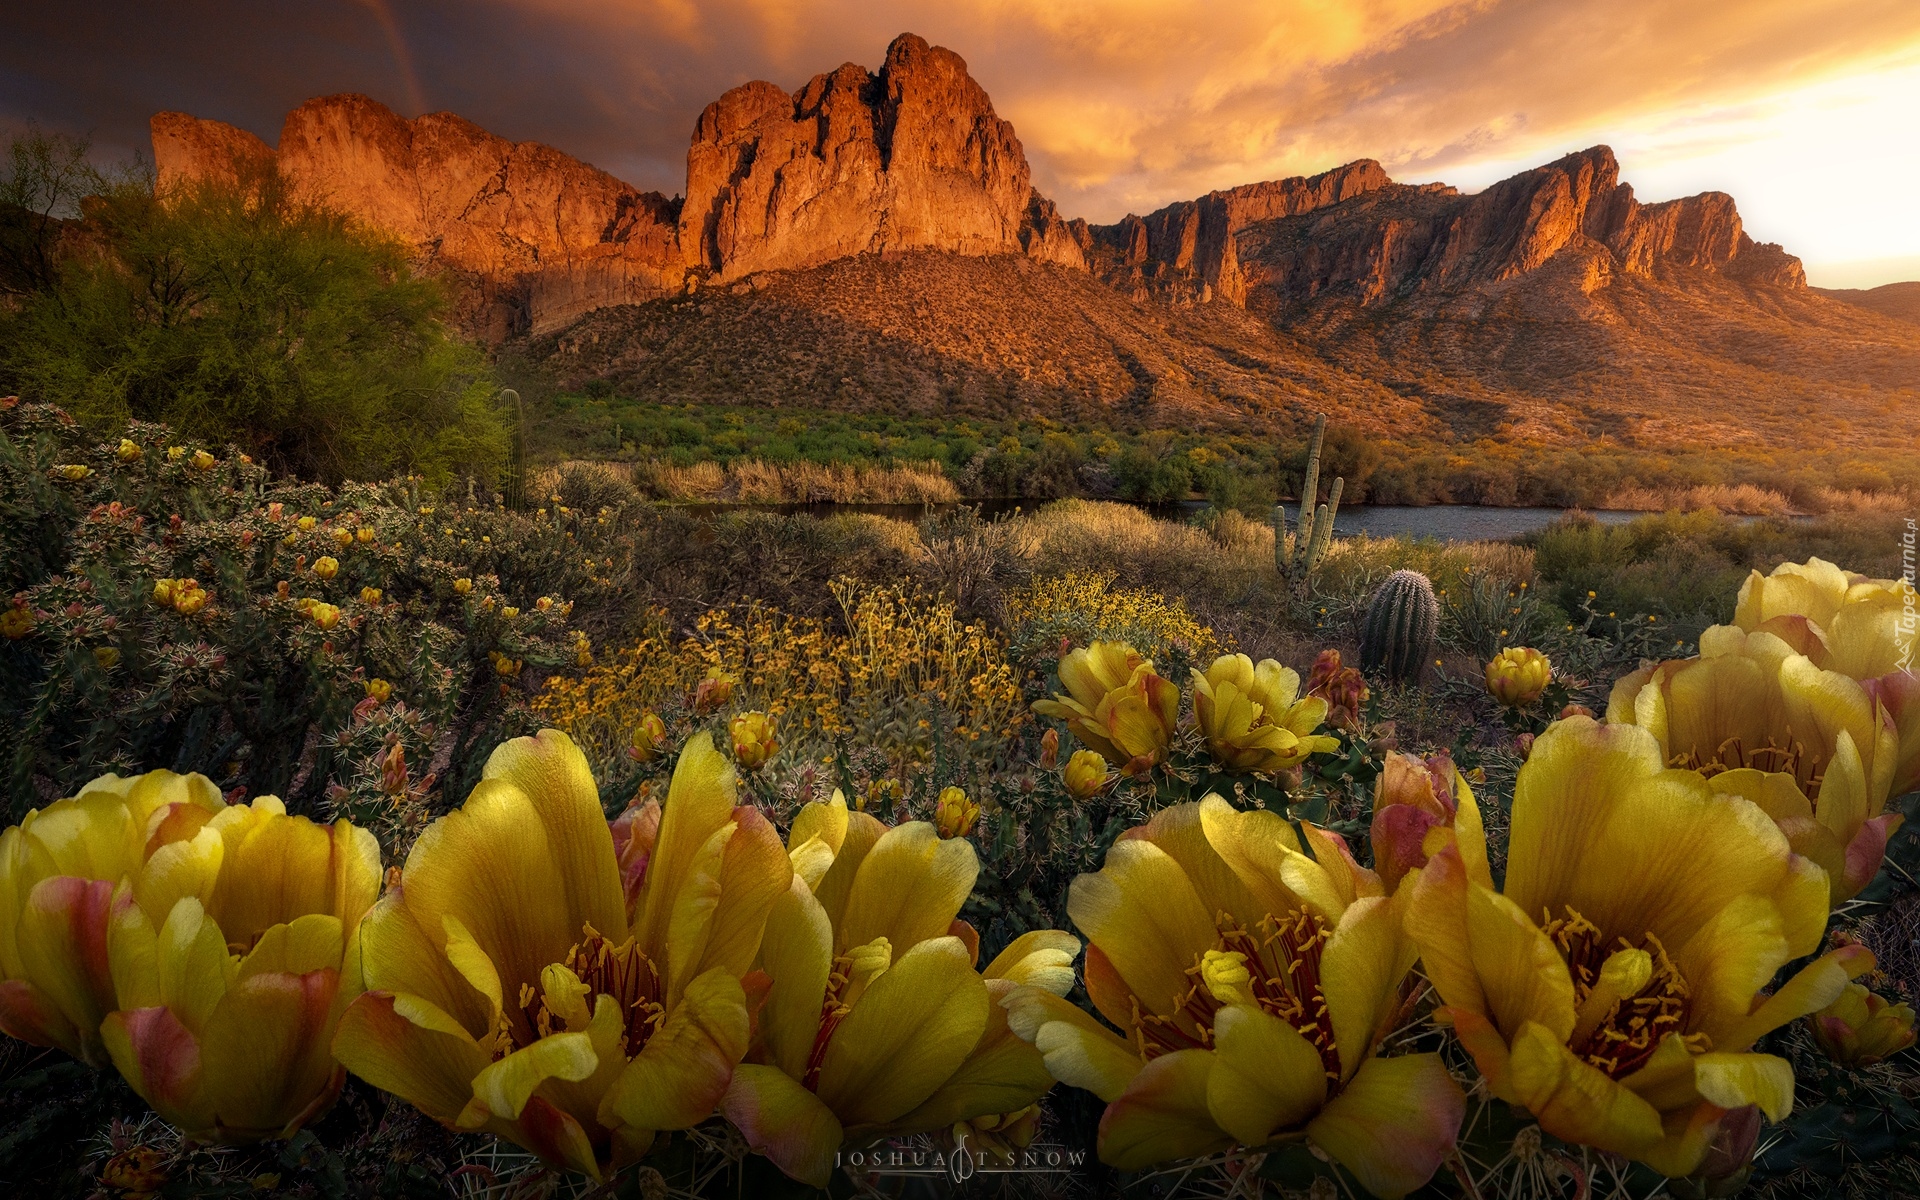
(1400,626)
(1297,558)
(513,483)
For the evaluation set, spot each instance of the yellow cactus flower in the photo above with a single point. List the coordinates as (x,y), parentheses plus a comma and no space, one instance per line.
(543,603)
(107,656)
(326,616)
(71,472)
(1851,624)
(343,537)
(174,453)
(516,987)
(58,870)
(129,451)
(188,597)
(1816,750)
(649,737)
(228,949)
(326,566)
(306,523)
(370,595)
(954,814)
(1417,805)
(1860,1029)
(462,586)
(1254,718)
(163,591)
(1115,704)
(1613,987)
(877,1022)
(1253,978)
(378,690)
(509,611)
(202,461)
(364,534)
(755,739)
(1086,774)
(16,622)
(1518,675)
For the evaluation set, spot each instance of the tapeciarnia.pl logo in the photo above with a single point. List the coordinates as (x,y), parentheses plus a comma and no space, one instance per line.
(961,1163)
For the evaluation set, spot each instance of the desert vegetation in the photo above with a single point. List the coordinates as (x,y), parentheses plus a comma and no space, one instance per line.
(959,766)
(803,452)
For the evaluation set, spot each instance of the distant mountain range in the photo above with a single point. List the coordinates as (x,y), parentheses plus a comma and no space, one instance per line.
(873,241)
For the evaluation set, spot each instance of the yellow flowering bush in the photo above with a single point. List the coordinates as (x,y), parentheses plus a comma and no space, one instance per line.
(1084,606)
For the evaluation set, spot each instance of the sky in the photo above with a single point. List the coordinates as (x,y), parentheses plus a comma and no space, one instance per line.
(1806,111)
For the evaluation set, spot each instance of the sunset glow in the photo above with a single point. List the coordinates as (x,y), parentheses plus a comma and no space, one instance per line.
(1799,108)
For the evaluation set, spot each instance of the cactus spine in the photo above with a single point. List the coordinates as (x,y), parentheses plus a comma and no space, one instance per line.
(513,484)
(1296,559)
(1400,626)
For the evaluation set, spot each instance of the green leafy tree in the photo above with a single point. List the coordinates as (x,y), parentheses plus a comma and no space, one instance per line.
(236,311)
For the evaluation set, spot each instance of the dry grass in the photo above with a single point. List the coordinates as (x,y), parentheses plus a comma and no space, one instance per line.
(1740,499)
(751,481)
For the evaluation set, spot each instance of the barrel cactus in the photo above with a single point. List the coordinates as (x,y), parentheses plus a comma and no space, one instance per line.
(1401,622)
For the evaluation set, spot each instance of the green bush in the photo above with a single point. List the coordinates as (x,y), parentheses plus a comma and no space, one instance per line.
(236,312)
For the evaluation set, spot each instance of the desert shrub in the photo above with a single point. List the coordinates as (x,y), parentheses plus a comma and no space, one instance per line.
(196,612)
(1689,565)
(237,313)
(1084,606)
(899,676)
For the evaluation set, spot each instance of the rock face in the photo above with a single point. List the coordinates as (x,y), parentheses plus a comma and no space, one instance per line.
(1188,250)
(910,158)
(538,238)
(1396,243)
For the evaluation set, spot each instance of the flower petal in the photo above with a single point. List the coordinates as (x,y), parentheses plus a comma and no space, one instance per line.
(911,1029)
(502,1088)
(1575,1101)
(1265,1076)
(404,1045)
(553,775)
(1079,1051)
(1163,1114)
(909,888)
(783,1121)
(1040,958)
(1142,912)
(683,1070)
(1393,1124)
(1001,1074)
(1361,968)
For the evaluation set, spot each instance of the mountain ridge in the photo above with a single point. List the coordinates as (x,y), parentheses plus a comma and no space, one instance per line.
(1547,306)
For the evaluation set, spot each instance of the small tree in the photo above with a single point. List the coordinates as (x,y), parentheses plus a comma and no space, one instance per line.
(236,311)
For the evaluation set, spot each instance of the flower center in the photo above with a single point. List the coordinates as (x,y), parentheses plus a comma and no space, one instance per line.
(1627,998)
(1276,965)
(602,969)
(1733,754)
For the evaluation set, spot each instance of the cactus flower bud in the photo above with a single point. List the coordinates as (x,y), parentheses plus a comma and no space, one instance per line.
(713,691)
(754,739)
(129,451)
(1050,749)
(1860,1029)
(202,461)
(1518,675)
(649,738)
(954,815)
(1086,774)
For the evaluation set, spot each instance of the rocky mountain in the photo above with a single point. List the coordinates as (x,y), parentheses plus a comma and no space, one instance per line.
(874,240)
(855,162)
